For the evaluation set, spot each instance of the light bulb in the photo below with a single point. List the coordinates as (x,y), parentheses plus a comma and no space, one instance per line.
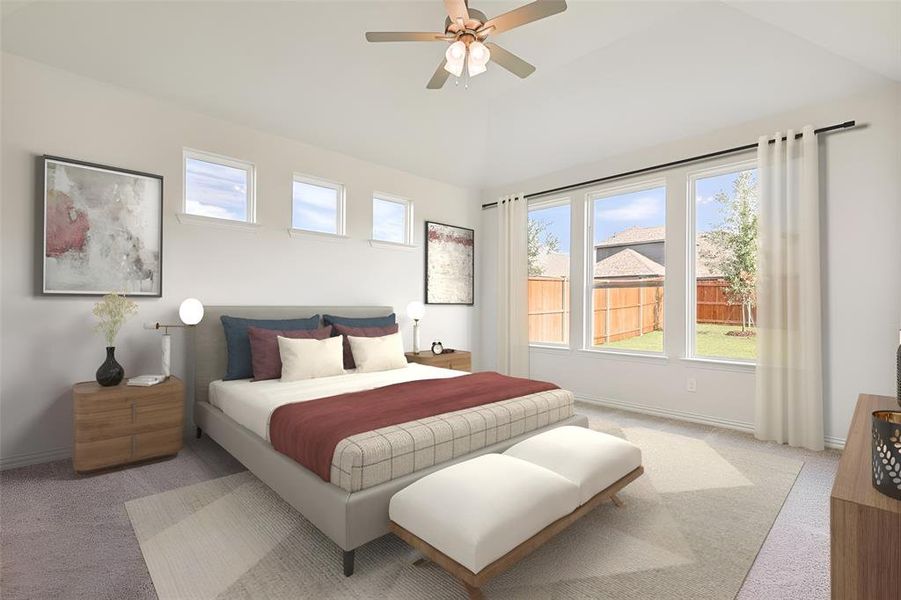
(479,54)
(456,52)
(191,311)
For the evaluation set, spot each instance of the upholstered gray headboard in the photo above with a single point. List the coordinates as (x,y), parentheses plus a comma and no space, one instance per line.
(209,341)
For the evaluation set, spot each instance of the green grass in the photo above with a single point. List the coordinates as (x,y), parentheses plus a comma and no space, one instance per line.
(711,341)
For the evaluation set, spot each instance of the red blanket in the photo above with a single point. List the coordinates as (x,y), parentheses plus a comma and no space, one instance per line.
(310,431)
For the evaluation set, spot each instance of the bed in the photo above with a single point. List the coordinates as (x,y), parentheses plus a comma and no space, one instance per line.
(352,509)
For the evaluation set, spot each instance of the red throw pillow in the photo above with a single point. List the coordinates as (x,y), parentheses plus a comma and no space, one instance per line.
(264,355)
(345,331)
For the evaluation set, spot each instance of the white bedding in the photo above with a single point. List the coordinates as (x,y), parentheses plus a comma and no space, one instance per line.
(251,403)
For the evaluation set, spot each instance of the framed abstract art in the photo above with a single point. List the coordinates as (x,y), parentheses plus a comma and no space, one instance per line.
(103,229)
(449,264)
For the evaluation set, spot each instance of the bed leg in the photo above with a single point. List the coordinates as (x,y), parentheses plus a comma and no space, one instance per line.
(349,562)
(199,433)
(616,500)
(473,592)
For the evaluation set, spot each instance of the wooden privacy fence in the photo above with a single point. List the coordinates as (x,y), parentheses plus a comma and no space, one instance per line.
(621,311)
(713,306)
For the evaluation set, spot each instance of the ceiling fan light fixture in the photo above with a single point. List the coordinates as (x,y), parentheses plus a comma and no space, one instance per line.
(479,53)
(456,52)
(475,68)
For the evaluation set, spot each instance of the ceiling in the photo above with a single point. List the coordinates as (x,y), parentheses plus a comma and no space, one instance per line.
(612,76)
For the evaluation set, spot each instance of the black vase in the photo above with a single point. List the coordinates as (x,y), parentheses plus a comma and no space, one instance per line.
(110,372)
(887,452)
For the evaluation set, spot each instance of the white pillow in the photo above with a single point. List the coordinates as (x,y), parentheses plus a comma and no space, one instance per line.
(306,359)
(378,353)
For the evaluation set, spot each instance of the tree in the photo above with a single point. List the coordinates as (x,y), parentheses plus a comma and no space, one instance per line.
(541,241)
(738,240)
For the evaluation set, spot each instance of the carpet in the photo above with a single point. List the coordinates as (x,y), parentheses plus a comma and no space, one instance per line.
(690,528)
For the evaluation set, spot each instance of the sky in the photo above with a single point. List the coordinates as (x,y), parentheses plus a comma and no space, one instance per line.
(314,208)
(644,208)
(388,220)
(215,190)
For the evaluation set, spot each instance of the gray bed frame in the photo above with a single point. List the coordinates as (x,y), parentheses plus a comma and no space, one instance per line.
(350,519)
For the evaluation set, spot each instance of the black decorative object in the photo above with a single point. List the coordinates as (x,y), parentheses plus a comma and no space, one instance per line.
(110,372)
(437,348)
(887,452)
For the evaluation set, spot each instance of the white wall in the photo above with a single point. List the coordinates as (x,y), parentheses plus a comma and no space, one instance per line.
(861,189)
(47,342)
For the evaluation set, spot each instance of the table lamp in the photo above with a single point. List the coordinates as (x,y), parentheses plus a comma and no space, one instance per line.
(416,310)
(191,313)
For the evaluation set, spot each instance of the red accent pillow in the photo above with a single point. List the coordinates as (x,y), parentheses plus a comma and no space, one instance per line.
(264,355)
(345,331)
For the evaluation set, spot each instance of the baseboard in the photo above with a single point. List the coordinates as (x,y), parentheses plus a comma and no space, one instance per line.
(830,441)
(33,458)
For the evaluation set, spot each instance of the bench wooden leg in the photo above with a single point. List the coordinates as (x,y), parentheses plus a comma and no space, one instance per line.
(616,500)
(474,592)
(420,562)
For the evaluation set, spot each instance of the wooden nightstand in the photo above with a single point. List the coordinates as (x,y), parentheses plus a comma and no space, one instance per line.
(125,424)
(460,360)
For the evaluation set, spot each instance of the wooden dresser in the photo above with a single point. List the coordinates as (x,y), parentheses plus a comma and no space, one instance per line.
(124,424)
(865,525)
(459,360)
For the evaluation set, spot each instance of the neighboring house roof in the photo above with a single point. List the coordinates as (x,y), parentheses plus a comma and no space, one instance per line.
(708,253)
(628,263)
(635,235)
(554,264)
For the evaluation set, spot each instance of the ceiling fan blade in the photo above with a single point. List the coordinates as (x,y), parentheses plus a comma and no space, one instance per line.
(510,61)
(525,14)
(404,36)
(439,78)
(456,10)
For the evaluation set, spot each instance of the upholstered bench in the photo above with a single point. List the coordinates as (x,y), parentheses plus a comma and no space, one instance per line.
(479,517)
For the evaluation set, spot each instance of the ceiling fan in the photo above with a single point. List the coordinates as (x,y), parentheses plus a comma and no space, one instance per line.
(467,29)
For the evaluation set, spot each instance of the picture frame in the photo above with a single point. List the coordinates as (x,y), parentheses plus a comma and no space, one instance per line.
(102,229)
(449,264)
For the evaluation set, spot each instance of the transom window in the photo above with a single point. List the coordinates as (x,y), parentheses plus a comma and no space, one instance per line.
(218,187)
(392,219)
(317,205)
(627,268)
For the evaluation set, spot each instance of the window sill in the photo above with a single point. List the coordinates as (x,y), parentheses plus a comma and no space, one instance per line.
(316,235)
(721,364)
(188,219)
(625,355)
(391,245)
(551,348)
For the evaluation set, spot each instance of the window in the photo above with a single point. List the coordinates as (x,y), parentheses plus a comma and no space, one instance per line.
(392,219)
(217,187)
(627,266)
(317,206)
(722,300)
(549,282)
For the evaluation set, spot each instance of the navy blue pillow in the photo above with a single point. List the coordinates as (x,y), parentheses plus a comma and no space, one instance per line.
(238,344)
(361,321)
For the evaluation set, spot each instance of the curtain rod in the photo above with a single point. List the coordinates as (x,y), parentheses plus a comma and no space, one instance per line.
(675,163)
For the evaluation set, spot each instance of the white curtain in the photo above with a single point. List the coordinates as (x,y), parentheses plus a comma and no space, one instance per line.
(512,283)
(789,395)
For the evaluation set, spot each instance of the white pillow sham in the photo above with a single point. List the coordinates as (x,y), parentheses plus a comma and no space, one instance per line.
(378,353)
(308,358)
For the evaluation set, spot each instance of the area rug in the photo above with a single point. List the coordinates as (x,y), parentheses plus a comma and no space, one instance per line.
(690,528)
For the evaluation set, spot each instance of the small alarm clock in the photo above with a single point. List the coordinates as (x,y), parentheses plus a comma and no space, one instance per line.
(437,348)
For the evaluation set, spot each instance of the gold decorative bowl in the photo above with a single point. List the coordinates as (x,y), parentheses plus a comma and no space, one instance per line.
(887,452)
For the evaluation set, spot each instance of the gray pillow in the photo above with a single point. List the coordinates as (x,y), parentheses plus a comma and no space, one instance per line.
(361,321)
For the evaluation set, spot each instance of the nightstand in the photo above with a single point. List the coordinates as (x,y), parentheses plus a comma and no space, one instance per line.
(124,424)
(460,360)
